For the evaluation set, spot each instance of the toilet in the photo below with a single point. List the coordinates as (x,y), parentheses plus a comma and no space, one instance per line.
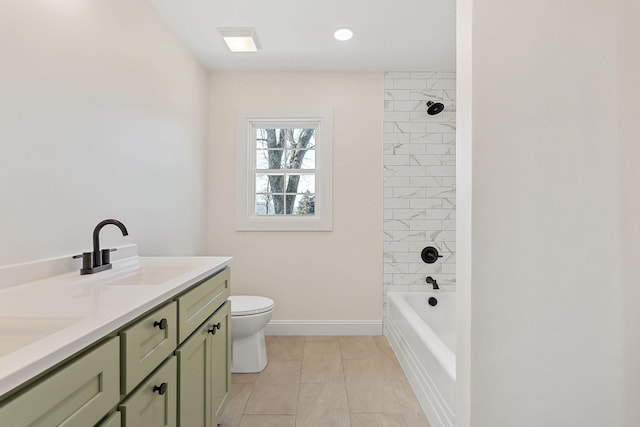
(249,316)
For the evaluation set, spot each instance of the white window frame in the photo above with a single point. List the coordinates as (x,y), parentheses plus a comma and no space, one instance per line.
(246,121)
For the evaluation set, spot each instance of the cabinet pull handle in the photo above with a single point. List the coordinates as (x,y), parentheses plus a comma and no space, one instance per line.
(162,324)
(213,328)
(161,389)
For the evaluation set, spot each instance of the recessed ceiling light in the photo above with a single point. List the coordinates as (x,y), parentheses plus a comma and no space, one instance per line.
(343,34)
(240,39)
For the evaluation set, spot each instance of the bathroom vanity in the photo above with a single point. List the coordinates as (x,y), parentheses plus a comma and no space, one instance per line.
(145,344)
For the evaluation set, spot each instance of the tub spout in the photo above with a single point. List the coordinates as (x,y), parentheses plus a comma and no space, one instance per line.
(432,281)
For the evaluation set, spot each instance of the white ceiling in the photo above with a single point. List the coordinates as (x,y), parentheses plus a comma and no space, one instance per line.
(297,35)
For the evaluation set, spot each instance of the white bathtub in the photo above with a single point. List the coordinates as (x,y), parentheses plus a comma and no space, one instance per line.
(423,338)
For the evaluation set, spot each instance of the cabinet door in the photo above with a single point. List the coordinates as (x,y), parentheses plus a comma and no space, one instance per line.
(114,420)
(146,344)
(194,383)
(78,394)
(220,361)
(153,404)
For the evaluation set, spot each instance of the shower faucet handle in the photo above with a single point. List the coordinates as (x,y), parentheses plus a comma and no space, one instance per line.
(430,255)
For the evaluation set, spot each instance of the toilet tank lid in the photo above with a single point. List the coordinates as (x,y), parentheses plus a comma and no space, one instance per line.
(244,305)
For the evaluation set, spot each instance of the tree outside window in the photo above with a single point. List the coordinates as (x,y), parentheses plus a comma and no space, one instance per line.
(285,171)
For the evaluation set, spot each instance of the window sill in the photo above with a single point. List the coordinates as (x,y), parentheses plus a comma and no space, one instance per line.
(286,223)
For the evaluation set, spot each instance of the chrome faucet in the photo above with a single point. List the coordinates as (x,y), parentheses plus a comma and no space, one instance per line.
(433,282)
(99,260)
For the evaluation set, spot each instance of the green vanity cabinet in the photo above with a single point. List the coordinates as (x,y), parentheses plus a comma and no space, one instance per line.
(153,403)
(78,394)
(204,374)
(170,366)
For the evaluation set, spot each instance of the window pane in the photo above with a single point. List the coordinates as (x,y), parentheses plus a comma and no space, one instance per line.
(269,183)
(270,159)
(285,138)
(264,204)
(298,145)
(262,161)
(262,183)
(297,137)
(269,204)
(285,159)
(263,136)
(298,158)
(309,161)
(301,183)
(303,204)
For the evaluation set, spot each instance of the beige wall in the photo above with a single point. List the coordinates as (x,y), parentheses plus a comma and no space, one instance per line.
(464,169)
(550,262)
(333,275)
(629,111)
(102,114)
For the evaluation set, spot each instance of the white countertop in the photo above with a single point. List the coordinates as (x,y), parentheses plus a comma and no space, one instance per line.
(43,322)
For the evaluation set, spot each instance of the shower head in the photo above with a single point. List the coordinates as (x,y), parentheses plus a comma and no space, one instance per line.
(434,108)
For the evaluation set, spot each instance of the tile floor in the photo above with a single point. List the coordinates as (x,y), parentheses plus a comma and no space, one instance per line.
(317,381)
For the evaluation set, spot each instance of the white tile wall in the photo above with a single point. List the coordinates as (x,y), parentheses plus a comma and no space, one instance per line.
(419,179)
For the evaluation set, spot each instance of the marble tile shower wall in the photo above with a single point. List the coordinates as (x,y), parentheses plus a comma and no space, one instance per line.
(419,179)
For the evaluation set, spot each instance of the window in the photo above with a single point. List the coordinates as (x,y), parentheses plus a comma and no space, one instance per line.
(284,171)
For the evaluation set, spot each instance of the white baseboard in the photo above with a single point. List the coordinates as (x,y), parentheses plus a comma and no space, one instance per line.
(324,327)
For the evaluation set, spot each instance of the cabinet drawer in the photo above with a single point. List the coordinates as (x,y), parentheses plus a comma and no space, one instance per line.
(78,394)
(198,304)
(153,404)
(146,344)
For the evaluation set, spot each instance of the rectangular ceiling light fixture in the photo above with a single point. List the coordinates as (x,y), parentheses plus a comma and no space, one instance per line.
(241,39)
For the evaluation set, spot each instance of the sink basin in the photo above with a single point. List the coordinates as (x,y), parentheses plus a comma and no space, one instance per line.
(82,296)
(151,273)
(18,332)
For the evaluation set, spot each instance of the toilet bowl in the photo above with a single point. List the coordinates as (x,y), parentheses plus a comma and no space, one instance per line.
(249,316)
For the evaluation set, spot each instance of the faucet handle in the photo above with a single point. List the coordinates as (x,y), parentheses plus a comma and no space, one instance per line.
(106,255)
(86,259)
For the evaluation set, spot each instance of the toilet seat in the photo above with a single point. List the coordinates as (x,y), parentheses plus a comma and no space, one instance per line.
(246,305)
